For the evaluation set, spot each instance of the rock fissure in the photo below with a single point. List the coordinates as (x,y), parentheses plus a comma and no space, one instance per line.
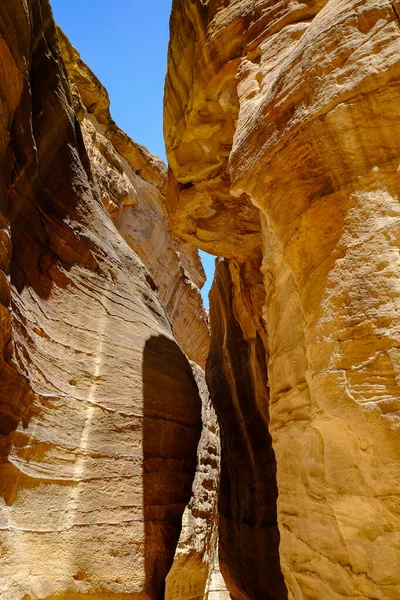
(125,470)
(314,121)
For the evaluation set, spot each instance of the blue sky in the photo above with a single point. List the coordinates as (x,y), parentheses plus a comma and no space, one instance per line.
(125,45)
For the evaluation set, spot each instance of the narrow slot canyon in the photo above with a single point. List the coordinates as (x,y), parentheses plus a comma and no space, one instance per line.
(150,448)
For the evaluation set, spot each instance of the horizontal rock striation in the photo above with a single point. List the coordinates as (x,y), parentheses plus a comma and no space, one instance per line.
(132,184)
(99,409)
(292,108)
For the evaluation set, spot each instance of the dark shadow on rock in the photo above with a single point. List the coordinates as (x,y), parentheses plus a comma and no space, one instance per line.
(44,186)
(45,174)
(171,432)
(238,383)
(16,406)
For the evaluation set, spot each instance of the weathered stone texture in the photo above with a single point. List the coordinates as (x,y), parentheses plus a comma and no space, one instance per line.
(195,571)
(99,410)
(309,93)
(201,110)
(281,123)
(238,382)
(132,184)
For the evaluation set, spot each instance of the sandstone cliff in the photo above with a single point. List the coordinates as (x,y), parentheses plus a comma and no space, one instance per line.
(100,414)
(281,124)
(132,184)
(238,382)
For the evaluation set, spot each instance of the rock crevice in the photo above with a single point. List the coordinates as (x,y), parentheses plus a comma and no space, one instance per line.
(312,145)
(121,474)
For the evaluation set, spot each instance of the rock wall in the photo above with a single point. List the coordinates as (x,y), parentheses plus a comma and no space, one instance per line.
(132,184)
(238,383)
(195,572)
(281,126)
(289,111)
(99,409)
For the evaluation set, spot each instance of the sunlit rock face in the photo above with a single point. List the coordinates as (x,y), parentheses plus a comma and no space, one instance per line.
(100,414)
(132,184)
(293,108)
(201,111)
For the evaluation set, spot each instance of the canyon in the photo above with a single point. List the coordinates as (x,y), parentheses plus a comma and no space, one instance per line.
(150,449)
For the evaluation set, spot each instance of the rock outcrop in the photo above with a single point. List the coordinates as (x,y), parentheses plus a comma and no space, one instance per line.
(132,184)
(238,382)
(100,414)
(281,125)
(285,114)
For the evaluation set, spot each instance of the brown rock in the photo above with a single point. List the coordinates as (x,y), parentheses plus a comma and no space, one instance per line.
(132,184)
(201,110)
(195,571)
(238,382)
(334,245)
(99,410)
(315,147)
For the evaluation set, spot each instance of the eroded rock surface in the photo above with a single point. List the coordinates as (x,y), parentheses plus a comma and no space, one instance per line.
(99,409)
(195,572)
(132,184)
(238,382)
(281,124)
(293,108)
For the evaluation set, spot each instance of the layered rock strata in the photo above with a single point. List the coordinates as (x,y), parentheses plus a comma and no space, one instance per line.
(292,108)
(99,409)
(132,184)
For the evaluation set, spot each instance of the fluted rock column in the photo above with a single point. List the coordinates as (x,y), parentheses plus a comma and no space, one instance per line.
(317,148)
(238,381)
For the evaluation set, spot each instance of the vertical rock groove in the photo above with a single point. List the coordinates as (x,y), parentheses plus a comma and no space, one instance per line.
(292,108)
(238,382)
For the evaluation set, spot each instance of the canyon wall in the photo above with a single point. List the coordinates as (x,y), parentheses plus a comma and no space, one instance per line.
(238,382)
(132,184)
(100,412)
(195,572)
(281,125)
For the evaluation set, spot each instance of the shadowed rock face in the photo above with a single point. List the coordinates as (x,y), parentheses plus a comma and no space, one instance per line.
(195,572)
(170,434)
(293,108)
(238,382)
(99,410)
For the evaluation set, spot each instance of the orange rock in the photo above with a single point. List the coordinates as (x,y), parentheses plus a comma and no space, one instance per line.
(99,409)
(293,108)
(132,184)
